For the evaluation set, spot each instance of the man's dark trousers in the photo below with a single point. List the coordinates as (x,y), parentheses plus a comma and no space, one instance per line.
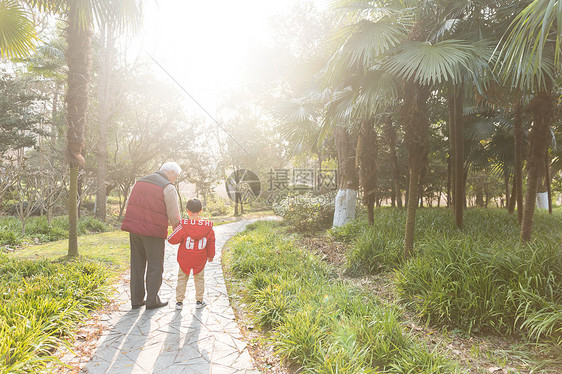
(147,256)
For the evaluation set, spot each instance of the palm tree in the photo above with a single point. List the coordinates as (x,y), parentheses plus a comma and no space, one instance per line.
(80,16)
(529,58)
(400,39)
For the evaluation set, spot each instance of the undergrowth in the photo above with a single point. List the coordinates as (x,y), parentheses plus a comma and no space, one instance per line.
(38,228)
(41,303)
(479,279)
(315,320)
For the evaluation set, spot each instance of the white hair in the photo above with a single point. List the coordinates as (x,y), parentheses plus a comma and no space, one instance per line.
(171,166)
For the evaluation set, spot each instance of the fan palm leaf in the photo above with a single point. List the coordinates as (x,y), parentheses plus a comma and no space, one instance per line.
(298,124)
(121,13)
(523,55)
(432,64)
(17,31)
(367,40)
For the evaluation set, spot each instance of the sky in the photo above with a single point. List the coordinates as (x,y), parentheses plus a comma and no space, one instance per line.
(204,44)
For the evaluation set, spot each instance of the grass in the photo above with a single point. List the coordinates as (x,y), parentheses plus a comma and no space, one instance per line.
(41,303)
(110,248)
(44,296)
(221,220)
(315,320)
(479,279)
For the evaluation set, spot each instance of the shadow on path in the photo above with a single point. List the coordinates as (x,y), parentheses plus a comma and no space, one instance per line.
(119,351)
(190,341)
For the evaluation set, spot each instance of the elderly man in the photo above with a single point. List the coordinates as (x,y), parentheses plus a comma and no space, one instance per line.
(152,205)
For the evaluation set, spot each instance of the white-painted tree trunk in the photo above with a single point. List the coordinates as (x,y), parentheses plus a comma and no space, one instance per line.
(345,207)
(542,200)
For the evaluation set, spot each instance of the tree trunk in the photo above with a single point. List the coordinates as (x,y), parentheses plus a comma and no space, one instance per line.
(506,186)
(407,190)
(449,180)
(348,178)
(104,99)
(54,130)
(79,60)
(72,213)
(390,134)
(366,163)
(459,199)
(370,202)
(180,201)
(511,207)
(518,160)
(411,214)
(416,125)
(547,179)
(541,108)
(451,159)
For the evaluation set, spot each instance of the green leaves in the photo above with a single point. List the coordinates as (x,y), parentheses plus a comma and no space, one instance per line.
(531,50)
(431,64)
(17,29)
(299,124)
(17,32)
(368,40)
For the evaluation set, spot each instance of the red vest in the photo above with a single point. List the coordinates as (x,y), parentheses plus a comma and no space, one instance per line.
(146,211)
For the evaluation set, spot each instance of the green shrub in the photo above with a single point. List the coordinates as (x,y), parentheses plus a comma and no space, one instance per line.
(38,227)
(91,224)
(272,304)
(348,232)
(217,206)
(478,278)
(41,304)
(9,238)
(307,213)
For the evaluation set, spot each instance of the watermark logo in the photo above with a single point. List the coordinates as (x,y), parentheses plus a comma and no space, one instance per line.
(243,186)
(282,182)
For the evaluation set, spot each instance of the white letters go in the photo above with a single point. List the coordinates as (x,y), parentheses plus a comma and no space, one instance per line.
(190,243)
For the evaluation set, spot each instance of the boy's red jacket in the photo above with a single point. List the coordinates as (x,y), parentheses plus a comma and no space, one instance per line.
(197,243)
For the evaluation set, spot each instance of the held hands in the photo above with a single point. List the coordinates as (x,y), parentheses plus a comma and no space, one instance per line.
(210,259)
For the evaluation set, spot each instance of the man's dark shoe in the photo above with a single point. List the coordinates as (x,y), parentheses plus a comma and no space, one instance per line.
(139,305)
(156,306)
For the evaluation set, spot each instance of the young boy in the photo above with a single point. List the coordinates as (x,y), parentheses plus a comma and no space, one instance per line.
(197,240)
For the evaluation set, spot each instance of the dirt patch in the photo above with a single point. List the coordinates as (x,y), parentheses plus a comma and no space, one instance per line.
(330,251)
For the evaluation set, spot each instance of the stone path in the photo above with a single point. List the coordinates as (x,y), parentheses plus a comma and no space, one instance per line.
(186,341)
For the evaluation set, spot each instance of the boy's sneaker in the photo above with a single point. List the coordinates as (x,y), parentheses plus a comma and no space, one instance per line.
(179,305)
(200,304)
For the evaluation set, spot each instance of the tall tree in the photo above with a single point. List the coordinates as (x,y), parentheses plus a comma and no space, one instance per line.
(400,39)
(80,22)
(529,58)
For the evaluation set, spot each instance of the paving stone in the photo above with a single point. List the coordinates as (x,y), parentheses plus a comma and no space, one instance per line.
(168,341)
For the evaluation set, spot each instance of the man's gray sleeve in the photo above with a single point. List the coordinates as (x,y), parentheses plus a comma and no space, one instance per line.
(172,208)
